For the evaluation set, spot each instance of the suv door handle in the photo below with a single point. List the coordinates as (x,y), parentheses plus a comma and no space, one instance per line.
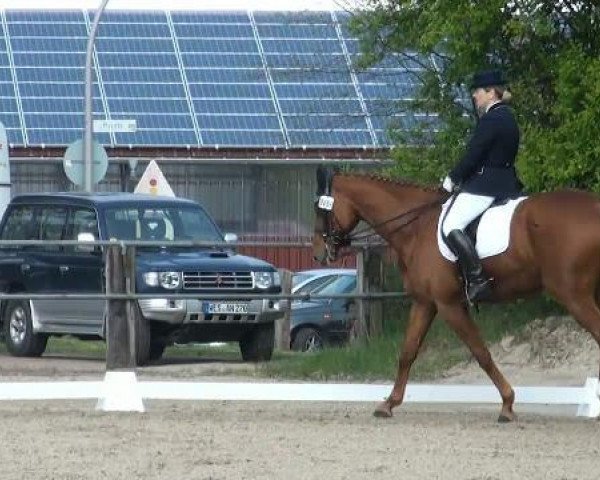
(63,269)
(25,268)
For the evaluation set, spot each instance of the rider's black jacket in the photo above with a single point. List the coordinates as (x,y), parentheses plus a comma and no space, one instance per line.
(488,166)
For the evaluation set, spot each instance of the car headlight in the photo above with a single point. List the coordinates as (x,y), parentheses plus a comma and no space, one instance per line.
(263,280)
(151,279)
(168,280)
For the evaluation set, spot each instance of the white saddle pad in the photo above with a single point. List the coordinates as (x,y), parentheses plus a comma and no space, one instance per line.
(493,232)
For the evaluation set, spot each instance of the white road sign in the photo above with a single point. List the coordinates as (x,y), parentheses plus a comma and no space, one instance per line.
(107,126)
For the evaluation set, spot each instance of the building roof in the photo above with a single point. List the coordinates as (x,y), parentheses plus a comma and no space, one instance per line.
(199,79)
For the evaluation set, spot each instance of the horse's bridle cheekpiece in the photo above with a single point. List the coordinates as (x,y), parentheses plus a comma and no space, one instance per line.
(324,205)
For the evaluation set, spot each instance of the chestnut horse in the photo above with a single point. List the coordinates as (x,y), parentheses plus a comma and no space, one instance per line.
(554,246)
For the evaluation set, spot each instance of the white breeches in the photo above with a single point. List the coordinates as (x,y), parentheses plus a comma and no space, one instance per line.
(466,208)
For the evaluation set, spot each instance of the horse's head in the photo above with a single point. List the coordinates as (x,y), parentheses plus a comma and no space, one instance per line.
(335,218)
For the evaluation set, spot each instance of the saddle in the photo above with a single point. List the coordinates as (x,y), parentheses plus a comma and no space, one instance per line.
(471,230)
(490,232)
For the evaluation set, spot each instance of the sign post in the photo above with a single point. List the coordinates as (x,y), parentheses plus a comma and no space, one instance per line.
(87,103)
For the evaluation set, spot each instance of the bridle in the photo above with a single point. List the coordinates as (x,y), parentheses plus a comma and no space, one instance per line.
(334,237)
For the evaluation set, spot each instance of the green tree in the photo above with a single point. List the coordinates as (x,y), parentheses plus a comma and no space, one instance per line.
(549,51)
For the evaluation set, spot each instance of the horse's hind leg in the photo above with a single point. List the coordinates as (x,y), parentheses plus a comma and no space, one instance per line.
(586,312)
(457,316)
(420,318)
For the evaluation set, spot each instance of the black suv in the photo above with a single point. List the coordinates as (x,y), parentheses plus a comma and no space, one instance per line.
(26,324)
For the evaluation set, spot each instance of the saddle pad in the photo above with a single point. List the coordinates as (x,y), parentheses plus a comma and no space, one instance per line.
(493,233)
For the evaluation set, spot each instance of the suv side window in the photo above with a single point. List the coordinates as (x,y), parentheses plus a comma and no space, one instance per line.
(52,222)
(81,220)
(20,224)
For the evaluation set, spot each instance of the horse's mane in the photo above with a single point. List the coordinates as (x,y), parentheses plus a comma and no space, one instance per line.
(394,182)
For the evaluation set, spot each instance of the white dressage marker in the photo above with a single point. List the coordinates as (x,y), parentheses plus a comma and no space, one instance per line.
(120,392)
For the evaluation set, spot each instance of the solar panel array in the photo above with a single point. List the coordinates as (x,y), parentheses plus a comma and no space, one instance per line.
(199,79)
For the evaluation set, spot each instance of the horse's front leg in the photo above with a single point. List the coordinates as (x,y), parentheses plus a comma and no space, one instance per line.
(458,318)
(421,316)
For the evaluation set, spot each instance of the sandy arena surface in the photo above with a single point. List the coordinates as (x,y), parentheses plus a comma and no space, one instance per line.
(272,440)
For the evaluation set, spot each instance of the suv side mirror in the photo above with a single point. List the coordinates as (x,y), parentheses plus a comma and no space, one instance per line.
(231,238)
(83,238)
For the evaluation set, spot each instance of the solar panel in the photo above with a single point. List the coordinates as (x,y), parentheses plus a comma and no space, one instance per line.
(202,78)
(48,55)
(154,95)
(228,85)
(9,115)
(312,79)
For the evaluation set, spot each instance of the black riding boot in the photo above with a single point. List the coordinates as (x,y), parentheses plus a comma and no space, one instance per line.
(478,285)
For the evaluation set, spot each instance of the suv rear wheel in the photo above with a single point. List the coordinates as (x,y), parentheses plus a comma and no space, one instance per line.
(20,339)
(257,345)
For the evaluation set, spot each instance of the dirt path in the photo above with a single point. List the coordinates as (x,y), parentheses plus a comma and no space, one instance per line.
(223,440)
(275,440)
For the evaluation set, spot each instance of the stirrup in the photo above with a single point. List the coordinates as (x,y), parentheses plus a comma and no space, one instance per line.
(477,292)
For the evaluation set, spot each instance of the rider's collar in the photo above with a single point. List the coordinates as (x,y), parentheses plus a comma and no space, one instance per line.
(496,102)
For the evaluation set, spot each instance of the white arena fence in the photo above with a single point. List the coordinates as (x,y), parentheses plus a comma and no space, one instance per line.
(121,391)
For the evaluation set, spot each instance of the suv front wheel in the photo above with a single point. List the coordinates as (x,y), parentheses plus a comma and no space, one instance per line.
(17,326)
(142,336)
(257,345)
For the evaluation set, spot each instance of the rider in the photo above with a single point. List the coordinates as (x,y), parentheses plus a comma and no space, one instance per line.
(485,173)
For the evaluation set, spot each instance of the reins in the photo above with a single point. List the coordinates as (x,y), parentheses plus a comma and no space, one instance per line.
(332,234)
(417,211)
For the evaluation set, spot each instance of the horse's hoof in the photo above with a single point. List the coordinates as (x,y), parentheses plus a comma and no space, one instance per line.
(504,418)
(383,411)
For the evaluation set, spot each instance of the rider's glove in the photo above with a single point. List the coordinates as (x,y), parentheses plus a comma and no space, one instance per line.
(448,184)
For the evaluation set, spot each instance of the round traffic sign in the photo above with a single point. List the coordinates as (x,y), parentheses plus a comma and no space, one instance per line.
(73,162)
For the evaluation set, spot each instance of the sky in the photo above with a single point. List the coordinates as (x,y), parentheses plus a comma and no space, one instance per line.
(254,5)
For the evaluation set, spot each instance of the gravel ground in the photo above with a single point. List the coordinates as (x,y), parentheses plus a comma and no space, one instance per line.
(298,440)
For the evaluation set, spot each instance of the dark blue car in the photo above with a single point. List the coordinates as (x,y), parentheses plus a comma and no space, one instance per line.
(316,323)
(27,324)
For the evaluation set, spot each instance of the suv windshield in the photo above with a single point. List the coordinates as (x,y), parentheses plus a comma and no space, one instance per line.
(169,223)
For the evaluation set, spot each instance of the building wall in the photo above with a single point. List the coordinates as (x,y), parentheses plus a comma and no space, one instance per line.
(258,203)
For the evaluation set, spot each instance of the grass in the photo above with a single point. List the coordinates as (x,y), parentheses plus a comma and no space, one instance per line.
(71,346)
(374,360)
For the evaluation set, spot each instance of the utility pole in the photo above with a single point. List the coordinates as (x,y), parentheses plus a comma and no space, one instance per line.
(89,123)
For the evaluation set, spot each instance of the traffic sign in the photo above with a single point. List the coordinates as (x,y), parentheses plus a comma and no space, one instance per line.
(73,162)
(153,182)
(107,126)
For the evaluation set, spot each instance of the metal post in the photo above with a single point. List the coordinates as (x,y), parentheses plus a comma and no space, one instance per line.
(87,138)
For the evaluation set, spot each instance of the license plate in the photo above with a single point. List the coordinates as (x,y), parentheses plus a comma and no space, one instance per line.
(229,307)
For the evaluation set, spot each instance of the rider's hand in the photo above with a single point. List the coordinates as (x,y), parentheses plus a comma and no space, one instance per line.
(448,184)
